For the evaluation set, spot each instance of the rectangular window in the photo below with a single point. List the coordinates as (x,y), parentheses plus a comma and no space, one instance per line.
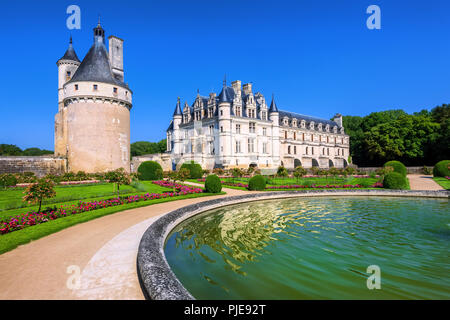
(252,127)
(238,128)
(295,149)
(295,135)
(76,87)
(251,146)
(264,146)
(211,130)
(238,147)
(68,75)
(221,129)
(95,87)
(115,90)
(264,131)
(285,134)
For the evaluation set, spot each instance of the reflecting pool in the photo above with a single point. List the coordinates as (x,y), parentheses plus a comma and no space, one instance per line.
(315,248)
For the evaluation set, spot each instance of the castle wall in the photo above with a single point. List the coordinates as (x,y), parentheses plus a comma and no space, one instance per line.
(40,165)
(164,159)
(98,135)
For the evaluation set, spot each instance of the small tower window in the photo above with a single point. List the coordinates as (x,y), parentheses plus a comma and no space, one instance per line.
(76,87)
(115,90)
(95,87)
(68,75)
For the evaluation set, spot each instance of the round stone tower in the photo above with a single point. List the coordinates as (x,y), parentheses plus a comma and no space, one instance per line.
(96,107)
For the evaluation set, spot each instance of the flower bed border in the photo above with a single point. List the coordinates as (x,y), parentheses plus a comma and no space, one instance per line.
(32,218)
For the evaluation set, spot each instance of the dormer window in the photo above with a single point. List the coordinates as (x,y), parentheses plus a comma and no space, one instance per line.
(311,125)
(335,129)
(327,128)
(95,87)
(303,124)
(285,121)
(263,115)
(294,122)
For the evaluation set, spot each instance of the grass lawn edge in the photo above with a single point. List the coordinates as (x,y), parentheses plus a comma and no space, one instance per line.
(14,239)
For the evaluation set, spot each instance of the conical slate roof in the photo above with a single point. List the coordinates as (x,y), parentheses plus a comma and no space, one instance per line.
(273,106)
(70,53)
(177,108)
(95,65)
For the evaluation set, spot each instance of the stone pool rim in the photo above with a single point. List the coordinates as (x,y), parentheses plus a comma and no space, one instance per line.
(157,279)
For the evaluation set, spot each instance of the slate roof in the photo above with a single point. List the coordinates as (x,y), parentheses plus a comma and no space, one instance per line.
(70,53)
(95,66)
(308,119)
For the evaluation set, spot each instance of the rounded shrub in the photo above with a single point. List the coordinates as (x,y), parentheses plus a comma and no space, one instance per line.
(441,169)
(398,167)
(195,170)
(257,183)
(213,184)
(150,170)
(395,180)
(8,180)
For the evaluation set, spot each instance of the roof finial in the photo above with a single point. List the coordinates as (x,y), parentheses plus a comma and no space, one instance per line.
(70,39)
(225,80)
(99,19)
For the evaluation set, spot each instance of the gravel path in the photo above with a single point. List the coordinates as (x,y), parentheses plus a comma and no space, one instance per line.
(423,182)
(101,251)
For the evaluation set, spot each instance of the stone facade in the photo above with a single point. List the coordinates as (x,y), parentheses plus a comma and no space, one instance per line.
(239,129)
(41,165)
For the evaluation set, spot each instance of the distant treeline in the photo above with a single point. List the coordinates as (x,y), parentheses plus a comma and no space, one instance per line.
(140,148)
(13,150)
(421,138)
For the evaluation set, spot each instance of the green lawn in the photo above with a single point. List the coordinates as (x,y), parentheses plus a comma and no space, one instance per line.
(443,182)
(11,202)
(11,240)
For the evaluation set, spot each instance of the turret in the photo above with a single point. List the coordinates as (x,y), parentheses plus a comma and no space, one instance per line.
(67,66)
(274,117)
(176,135)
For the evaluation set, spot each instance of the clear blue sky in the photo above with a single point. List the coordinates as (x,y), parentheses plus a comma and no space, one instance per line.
(318,57)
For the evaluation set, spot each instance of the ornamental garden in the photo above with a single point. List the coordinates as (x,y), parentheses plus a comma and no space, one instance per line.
(31,208)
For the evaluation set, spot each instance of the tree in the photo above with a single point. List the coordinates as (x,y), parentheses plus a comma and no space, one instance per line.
(119,177)
(282,172)
(140,148)
(39,191)
(299,172)
(10,150)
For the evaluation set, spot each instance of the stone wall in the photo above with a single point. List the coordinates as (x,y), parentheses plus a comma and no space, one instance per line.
(164,159)
(41,165)
(411,170)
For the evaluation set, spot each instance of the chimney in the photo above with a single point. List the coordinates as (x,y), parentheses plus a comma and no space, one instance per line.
(237,87)
(338,119)
(116,57)
(247,88)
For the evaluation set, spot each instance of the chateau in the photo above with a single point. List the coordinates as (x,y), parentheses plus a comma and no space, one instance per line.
(92,126)
(238,129)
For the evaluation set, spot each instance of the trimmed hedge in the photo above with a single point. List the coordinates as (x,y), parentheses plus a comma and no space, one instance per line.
(441,169)
(150,170)
(195,170)
(398,167)
(395,180)
(213,184)
(257,183)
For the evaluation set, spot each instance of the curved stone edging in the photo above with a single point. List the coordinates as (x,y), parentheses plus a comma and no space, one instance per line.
(157,279)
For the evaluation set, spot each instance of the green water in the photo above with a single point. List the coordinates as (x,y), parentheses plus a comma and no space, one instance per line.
(315,248)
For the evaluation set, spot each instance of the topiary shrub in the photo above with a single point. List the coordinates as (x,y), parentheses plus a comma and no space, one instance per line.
(441,169)
(257,183)
(213,184)
(395,180)
(398,167)
(195,170)
(150,170)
